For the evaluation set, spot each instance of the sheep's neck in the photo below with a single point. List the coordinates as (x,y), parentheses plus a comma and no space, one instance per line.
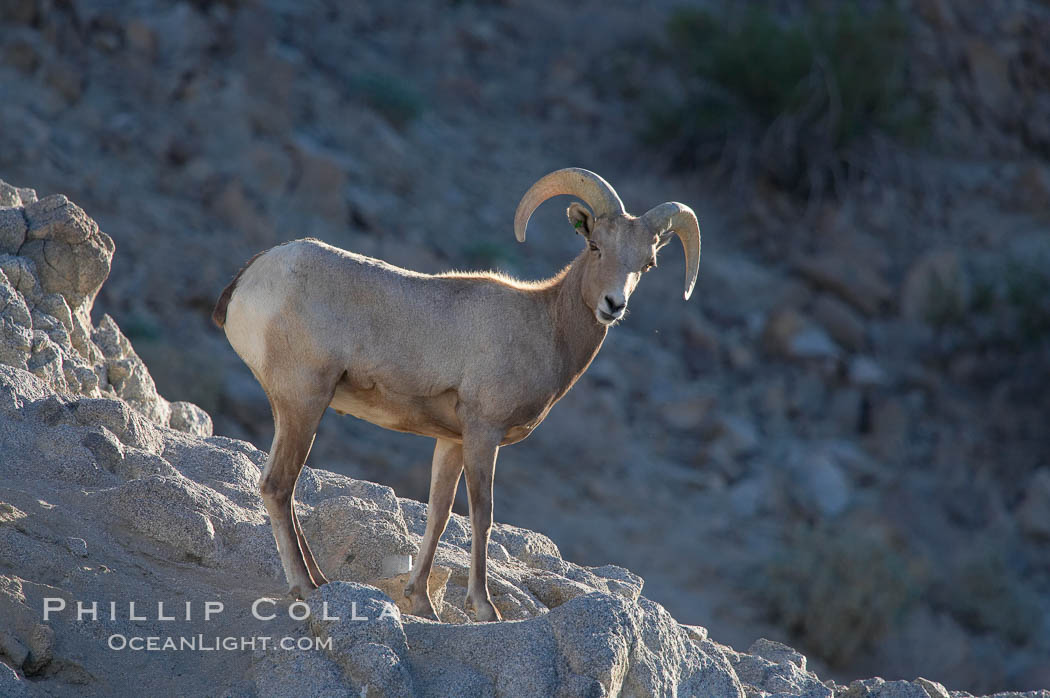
(576,329)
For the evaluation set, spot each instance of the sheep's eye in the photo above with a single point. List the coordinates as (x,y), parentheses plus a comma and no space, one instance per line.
(649,265)
(594,248)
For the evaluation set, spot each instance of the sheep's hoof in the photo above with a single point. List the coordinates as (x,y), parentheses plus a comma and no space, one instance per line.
(421,604)
(484,612)
(300,591)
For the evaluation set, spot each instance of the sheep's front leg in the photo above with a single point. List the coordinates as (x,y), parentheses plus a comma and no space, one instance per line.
(444,477)
(480,448)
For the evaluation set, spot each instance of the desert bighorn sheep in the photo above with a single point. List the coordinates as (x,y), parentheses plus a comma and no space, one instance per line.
(474,360)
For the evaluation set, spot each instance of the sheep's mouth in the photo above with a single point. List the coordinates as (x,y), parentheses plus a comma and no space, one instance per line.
(607,319)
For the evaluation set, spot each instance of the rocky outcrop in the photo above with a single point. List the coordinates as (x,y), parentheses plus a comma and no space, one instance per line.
(110,496)
(53,261)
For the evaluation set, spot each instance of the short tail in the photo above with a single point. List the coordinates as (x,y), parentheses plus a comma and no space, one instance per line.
(218,316)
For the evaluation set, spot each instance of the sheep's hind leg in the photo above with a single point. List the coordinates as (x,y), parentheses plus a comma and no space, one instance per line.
(295,424)
(480,448)
(444,477)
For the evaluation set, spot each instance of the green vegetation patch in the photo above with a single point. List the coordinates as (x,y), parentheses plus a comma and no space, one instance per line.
(396,99)
(839,588)
(791,94)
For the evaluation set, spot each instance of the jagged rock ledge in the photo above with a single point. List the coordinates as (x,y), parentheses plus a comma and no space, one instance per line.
(110,493)
(53,261)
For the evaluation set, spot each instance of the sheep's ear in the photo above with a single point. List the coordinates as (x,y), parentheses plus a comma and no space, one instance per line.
(581,218)
(663,239)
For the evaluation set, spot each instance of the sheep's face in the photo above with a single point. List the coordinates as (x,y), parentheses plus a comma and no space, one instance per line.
(620,249)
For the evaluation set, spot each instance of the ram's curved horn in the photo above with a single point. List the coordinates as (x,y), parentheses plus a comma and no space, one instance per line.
(575,181)
(679,218)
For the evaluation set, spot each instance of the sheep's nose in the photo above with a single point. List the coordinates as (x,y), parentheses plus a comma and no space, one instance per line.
(614,307)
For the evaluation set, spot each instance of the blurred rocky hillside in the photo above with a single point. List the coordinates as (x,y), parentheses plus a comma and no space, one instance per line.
(839,442)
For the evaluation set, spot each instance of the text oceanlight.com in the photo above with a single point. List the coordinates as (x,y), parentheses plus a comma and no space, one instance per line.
(263,609)
(200,643)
